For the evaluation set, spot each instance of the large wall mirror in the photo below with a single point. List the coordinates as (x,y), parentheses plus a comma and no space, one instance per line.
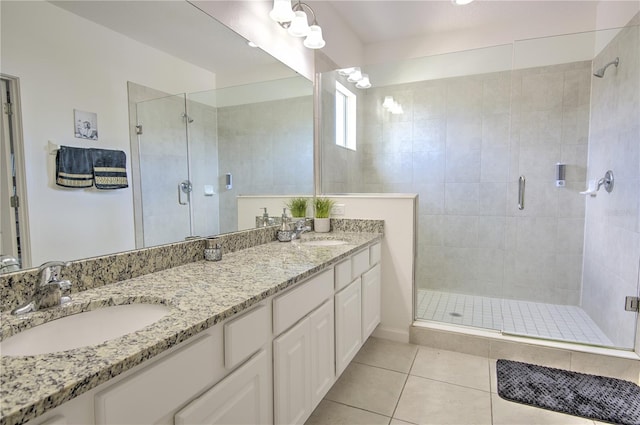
(207,105)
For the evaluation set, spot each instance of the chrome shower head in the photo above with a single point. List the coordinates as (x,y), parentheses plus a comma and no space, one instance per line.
(600,72)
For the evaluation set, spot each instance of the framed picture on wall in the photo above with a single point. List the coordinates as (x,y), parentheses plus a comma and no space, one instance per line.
(85,124)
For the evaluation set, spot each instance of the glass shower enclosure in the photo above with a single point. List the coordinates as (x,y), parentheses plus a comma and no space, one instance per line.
(499,143)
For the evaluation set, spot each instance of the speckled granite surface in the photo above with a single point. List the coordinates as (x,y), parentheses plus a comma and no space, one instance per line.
(200,294)
(18,287)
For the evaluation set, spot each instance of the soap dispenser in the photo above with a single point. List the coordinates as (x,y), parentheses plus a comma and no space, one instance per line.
(285,233)
(265,217)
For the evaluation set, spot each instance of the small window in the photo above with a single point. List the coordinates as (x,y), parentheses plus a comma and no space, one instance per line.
(345,117)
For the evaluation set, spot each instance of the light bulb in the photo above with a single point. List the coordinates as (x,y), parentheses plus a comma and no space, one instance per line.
(282,11)
(355,76)
(388,102)
(314,40)
(299,25)
(346,71)
(364,82)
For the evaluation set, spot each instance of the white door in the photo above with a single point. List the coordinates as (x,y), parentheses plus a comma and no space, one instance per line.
(292,375)
(240,398)
(322,351)
(370,301)
(348,324)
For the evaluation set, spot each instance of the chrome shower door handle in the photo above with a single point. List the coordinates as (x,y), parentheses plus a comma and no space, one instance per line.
(184,187)
(521,183)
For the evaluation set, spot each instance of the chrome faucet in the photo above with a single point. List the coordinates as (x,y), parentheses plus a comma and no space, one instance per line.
(49,290)
(300,228)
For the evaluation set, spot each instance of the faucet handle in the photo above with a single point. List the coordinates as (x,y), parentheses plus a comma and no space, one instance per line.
(50,271)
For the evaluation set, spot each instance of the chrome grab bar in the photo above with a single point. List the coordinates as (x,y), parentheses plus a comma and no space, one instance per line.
(521,183)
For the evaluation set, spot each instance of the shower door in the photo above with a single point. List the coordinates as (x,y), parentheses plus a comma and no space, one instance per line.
(164,170)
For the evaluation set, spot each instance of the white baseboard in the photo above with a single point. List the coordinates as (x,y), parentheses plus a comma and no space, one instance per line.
(392,334)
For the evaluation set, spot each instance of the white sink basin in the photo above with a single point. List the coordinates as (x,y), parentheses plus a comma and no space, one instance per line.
(324,242)
(83,329)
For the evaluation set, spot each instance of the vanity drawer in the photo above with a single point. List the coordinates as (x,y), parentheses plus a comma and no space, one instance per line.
(245,335)
(375,254)
(342,273)
(297,303)
(156,392)
(359,263)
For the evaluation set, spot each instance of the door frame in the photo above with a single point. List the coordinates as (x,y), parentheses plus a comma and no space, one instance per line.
(13,85)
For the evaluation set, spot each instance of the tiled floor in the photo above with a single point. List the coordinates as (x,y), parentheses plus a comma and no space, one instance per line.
(395,383)
(551,321)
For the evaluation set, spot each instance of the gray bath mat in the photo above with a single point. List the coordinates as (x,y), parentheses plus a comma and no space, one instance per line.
(590,396)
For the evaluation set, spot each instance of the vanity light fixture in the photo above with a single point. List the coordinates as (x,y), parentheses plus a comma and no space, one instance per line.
(294,20)
(355,75)
(461,2)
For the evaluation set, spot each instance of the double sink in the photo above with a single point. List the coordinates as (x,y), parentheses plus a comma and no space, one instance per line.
(103,324)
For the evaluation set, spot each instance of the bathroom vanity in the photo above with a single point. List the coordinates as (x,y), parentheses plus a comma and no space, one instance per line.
(259,337)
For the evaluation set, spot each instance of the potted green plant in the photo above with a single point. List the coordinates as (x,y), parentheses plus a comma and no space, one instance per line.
(298,207)
(322,212)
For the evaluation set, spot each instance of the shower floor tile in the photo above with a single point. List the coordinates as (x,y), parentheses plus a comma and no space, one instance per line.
(541,320)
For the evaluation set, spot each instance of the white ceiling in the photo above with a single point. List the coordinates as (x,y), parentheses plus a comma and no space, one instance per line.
(182,30)
(383,21)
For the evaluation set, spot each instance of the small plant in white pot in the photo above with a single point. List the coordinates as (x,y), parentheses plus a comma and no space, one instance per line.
(322,212)
(298,207)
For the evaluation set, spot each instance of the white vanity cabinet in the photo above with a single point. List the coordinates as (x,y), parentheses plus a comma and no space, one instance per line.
(303,356)
(370,301)
(357,305)
(348,324)
(272,363)
(241,398)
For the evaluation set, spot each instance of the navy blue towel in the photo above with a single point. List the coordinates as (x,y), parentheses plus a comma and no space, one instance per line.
(109,169)
(74,167)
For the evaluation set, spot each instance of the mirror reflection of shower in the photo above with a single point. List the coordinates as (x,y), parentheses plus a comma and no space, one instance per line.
(600,72)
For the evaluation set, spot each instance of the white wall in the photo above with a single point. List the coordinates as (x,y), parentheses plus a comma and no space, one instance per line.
(398,248)
(66,62)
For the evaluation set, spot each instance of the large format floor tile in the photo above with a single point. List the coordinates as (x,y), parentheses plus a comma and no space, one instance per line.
(442,387)
(367,387)
(332,413)
(455,368)
(387,354)
(425,401)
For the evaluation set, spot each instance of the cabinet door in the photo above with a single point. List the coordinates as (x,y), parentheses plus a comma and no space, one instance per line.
(322,352)
(292,375)
(370,301)
(177,378)
(348,324)
(240,398)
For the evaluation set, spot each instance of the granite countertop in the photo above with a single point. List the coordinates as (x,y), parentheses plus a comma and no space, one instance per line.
(200,294)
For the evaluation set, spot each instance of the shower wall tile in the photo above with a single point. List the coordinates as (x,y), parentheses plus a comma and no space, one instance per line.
(462,165)
(495,130)
(491,232)
(460,231)
(429,167)
(493,198)
(431,197)
(464,96)
(464,132)
(494,164)
(462,198)
(429,135)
